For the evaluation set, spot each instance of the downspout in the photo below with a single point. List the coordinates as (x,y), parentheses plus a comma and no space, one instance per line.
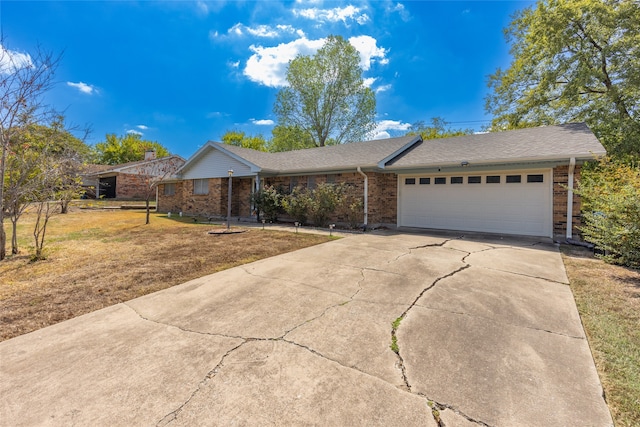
(572,167)
(366,196)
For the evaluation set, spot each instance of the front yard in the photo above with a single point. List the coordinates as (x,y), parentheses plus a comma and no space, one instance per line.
(98,258)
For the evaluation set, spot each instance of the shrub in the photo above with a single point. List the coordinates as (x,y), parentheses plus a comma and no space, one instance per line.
(611,205)
(296,204)
(351,205)
(268,201)
(323,201)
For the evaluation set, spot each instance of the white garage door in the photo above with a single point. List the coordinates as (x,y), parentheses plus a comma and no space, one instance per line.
(496,202)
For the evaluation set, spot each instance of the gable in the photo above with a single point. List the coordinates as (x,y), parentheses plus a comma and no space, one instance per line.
(213,163)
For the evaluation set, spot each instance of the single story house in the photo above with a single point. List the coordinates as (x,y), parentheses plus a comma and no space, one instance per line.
(513,182)
(130,181)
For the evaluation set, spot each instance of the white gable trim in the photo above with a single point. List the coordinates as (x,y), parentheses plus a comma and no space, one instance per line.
(217,157)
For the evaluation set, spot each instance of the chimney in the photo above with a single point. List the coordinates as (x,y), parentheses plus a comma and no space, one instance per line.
(150,155)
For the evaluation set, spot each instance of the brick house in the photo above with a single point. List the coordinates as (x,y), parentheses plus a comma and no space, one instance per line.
(513,182)
(131,181)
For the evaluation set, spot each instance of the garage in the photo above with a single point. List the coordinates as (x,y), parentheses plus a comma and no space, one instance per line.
(508,202)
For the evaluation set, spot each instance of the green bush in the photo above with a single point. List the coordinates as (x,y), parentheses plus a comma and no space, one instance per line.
(611,205)
(351,205)
(323,201)
(296,205)
(269,202)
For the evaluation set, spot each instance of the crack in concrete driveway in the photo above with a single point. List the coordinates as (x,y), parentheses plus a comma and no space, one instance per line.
(488,335)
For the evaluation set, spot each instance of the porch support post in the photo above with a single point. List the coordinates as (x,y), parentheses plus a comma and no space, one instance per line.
(572,166)
(366,196)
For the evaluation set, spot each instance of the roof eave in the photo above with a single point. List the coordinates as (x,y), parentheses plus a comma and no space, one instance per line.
(564,158)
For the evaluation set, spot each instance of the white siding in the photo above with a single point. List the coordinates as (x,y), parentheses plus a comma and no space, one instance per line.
(215,164)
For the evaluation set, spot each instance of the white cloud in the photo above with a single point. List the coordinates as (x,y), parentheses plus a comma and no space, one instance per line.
(268,65)
(369,51)
(402,11)
(368,82)
(336,14)
(263,31)
(11,60)
(235,64)
(381,135)
(134,132)
(384,126)
(83,87)
(382,88)
(142,127)
(263,122)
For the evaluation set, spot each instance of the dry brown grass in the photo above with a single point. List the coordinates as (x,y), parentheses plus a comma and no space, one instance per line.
(608,299)
(99,258)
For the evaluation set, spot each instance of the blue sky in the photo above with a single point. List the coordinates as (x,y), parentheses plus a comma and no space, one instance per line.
(182,73)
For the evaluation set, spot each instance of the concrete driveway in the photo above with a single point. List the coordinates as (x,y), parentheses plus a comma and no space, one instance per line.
(486,329)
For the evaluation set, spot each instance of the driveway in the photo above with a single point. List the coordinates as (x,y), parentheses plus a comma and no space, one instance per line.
(486,332)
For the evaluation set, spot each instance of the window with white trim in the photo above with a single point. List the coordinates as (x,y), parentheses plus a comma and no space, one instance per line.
(200,186)
(170,189)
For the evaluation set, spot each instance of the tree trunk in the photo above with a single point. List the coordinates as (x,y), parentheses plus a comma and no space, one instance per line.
(147,201)
(14,237)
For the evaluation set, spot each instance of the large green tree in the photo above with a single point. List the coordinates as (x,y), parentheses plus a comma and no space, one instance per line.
(573,60)
(131,147)
(438,128)
(326,96)
(241,139)
(288,138)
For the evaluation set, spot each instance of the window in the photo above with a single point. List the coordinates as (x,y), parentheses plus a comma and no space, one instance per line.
(456,180)
(473,180)
(170,189)
(535,178)
(425,180)
(441,180)
(200,186)
(331,179)
(493,179)
(511,179)
(311,182)
(293,183)
(409,181)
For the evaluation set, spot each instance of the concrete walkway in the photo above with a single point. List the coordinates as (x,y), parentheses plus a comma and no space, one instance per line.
(486,329)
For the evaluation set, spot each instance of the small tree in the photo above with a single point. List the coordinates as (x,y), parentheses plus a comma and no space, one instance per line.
(23,82)
(153,173)
(611,201)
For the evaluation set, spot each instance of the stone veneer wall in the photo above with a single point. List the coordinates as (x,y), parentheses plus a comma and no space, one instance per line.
(560,182)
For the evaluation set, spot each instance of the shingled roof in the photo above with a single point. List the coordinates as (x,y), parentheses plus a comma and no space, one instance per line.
(368,154)
(533,145)
(560,142)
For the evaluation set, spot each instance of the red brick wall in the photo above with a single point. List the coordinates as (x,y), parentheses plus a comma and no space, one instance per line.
(560,190)
(133,187)
(212,204)
(383,198)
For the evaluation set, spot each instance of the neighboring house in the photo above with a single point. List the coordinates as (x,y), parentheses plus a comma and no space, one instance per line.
(131,181)
(512,182)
